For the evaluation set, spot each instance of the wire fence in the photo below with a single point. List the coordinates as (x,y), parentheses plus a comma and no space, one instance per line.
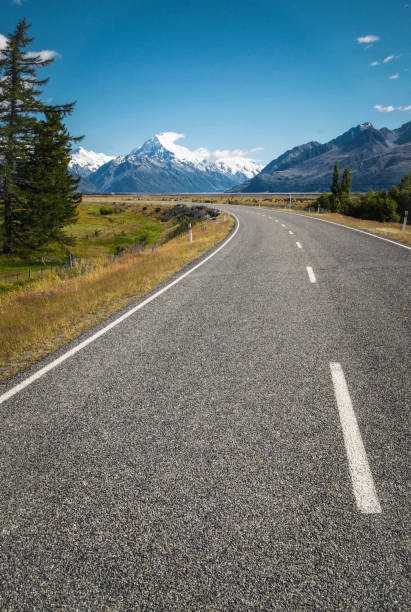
(74,265)
(23,274)
(78,265)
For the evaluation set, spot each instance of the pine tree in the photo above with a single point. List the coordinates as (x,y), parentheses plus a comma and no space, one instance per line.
(51,196)
(19,105)
(335,188)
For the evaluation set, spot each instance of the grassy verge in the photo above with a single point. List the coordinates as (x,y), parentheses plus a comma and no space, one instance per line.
(39,318)
(393,231)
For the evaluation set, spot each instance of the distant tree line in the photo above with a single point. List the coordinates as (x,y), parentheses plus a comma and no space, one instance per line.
(379,205)
(38,196)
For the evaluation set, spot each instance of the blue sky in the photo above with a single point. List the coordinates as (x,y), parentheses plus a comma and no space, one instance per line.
(227,74)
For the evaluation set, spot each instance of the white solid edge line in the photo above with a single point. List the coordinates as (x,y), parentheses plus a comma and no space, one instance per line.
(355,229)
(361,477)
(25,383)
(299,245)
(311,274)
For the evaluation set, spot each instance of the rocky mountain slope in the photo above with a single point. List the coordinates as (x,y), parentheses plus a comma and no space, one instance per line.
(83,163)
(377,159)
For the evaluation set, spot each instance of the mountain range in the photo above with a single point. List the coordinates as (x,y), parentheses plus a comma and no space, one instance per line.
(377,159)
(162,166)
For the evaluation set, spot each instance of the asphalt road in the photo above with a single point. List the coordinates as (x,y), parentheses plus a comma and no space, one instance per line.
(193,457)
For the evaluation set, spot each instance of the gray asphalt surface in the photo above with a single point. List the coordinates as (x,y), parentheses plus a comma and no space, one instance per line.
(192,458)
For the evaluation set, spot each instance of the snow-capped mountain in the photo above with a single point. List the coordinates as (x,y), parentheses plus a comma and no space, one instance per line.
(162,166)
(84,162)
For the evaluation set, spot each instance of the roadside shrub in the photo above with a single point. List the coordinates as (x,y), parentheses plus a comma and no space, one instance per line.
(324,201)
(107,210)
(334,204)
(182,213)
(375,206)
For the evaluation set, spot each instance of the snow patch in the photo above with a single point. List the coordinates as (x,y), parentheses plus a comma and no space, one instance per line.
(88,159)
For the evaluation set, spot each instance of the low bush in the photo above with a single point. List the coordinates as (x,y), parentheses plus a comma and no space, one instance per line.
(374,206)
(324,201)
(107,210)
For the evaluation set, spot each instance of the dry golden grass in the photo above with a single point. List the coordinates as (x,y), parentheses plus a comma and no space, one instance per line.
(393,231)
(36,320)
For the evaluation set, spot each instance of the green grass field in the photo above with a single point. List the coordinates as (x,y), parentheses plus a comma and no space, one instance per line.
(95,235)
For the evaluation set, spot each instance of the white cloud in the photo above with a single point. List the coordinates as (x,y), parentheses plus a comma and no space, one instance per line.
(384,109)
(374,63)
(390,109)
(201,155)
(226,154)
(394,76)
(45,55)
(3,42)
(18,2)
(370,38)
(389,58)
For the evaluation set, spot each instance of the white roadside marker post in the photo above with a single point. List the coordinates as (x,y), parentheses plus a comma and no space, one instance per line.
(404,223)
(190,233)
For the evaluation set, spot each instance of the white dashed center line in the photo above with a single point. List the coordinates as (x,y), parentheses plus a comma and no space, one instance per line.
(282,225)
(290,232)
(311,274)
(299,245)
(362,480)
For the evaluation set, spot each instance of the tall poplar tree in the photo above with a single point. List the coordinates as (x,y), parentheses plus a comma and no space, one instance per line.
(19,105)
(345,186)
(335,188)
(402,196)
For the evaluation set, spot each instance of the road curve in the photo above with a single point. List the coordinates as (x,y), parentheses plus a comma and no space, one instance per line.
(202,453)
